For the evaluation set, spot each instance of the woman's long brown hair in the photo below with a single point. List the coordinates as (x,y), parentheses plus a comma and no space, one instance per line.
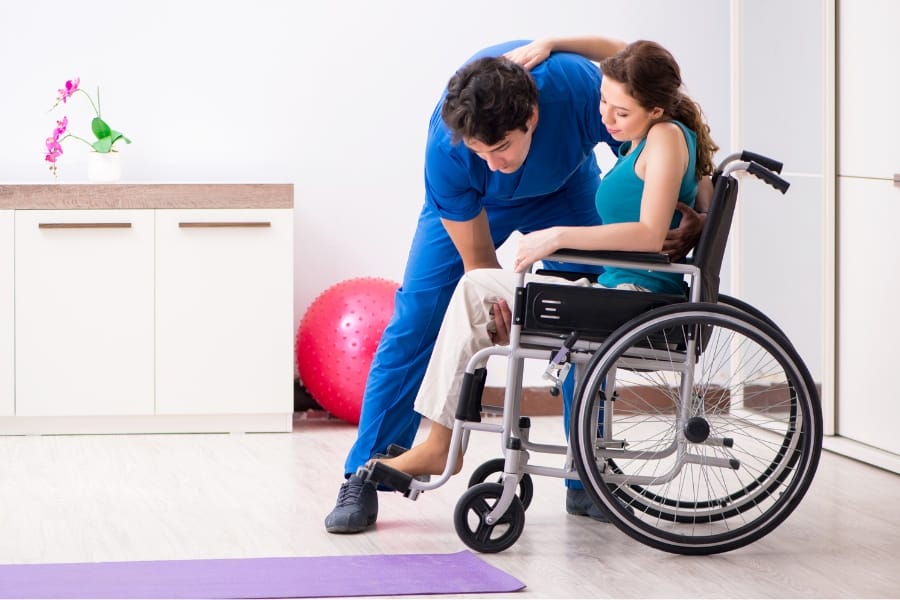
(651,76)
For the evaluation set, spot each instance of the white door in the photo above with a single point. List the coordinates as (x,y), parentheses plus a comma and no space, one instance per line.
(868,406)
(869,325)
(224,327)
(868,88)
(7,315)
(84,312)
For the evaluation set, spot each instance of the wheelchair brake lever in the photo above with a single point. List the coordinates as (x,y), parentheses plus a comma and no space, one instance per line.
(559,365)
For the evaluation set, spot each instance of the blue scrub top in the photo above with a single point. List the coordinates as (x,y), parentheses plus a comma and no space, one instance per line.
(458,183)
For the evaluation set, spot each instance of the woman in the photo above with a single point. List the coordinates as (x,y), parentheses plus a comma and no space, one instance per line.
(666,150)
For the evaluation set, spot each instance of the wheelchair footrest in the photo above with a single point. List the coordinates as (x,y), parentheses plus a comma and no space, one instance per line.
(392,451)
(390,478)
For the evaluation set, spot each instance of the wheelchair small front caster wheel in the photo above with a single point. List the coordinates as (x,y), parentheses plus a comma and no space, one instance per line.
(495,467)
(469,519)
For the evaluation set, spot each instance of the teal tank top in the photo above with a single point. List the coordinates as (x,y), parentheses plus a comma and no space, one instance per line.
(618,200)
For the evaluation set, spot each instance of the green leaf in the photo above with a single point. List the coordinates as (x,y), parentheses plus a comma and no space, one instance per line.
(117,135)
(103,145)
(100,128)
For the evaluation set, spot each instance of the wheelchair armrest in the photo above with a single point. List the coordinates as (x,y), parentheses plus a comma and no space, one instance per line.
(570,275)
(604,257)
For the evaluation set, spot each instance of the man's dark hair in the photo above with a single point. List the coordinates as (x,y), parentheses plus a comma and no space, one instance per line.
(488,98)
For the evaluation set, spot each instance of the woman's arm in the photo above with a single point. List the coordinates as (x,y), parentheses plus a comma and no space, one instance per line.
(661,165)
(595,48)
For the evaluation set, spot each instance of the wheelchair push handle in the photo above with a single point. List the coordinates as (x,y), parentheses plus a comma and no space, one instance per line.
(760,171)
(769,163)
(761,167)
(746,156)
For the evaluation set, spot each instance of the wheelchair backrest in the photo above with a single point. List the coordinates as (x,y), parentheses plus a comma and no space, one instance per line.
(595,312)
(710,250)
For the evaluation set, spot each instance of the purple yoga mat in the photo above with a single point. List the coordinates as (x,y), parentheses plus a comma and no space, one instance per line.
(299,577)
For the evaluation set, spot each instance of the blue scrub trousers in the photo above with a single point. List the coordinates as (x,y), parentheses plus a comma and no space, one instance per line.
(432,271)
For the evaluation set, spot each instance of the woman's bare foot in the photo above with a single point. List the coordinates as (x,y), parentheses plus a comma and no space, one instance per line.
(427,458)
(421,460)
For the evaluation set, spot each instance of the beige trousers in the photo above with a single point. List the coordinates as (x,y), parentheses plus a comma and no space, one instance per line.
(464,332)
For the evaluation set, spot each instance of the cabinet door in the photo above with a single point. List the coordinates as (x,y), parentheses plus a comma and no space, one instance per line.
(224,325)
(868,329)
(7,316)
(868,210)
(869,88)
(84,312)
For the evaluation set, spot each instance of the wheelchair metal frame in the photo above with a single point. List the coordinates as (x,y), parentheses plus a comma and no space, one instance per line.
(600,461)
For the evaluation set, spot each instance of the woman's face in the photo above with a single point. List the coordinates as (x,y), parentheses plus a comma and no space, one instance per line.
(623,117)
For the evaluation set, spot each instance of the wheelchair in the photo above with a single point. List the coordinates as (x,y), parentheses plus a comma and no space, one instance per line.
(695,425)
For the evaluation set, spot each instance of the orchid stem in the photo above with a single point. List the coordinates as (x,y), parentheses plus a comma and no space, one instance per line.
(91,100)
(80,139)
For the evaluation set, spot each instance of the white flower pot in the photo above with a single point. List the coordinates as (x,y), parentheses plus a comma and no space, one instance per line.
(104,167)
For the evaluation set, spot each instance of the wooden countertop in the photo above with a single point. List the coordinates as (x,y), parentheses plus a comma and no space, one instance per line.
(149,195)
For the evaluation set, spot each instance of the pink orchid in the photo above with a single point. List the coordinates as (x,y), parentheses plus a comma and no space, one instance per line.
(60,128)
(71,88)
(54,150)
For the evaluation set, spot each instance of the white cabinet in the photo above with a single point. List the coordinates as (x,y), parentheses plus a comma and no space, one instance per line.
(868,208)
(148,308)
(7,315)
(868,88)
(224,332)
(84,312)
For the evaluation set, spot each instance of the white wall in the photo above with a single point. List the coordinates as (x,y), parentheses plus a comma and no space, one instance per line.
(332,96)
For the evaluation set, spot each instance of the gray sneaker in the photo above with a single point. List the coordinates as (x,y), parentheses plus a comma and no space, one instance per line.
(356,508)
(579,503)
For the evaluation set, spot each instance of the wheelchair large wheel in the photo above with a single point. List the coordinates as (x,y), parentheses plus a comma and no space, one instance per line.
(469,519)
(711,428)
(749,309)
(493,469)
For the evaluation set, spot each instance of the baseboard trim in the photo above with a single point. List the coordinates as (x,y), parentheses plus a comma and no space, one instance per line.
(146,424)
(536,401)
(862,452)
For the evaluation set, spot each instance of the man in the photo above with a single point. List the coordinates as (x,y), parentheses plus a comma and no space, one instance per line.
(507,150)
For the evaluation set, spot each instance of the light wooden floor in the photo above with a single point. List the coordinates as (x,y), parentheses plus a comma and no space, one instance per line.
(163,497)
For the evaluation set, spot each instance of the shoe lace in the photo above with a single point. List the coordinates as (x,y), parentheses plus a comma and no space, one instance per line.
(350,492)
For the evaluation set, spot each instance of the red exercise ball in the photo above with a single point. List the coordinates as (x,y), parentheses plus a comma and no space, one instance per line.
(337,339)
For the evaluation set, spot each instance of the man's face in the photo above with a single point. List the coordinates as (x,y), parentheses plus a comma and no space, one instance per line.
(509,154)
